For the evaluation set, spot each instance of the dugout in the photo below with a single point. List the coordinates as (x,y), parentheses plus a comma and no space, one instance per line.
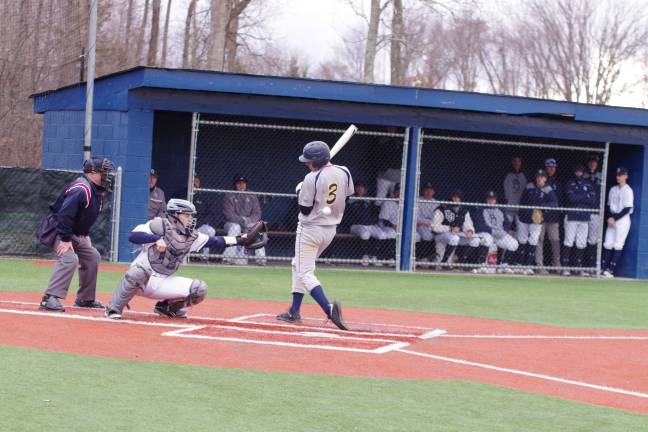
(143,118)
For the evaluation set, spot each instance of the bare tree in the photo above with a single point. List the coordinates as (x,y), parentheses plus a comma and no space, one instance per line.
(575,49)
(219,11)
(127,34)
(191,10)
(142,33)
(155,30)
(396,41)
(165,36)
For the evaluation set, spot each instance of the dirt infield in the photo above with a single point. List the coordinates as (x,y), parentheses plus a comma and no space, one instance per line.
(601,367)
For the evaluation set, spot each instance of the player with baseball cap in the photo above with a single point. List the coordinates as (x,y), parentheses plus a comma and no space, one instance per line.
(326,185)
(492,228)
(453,227)
(157,199)
(529,223)
(579,193)
(594,224)
(165,242)
(620,205)
(551,220)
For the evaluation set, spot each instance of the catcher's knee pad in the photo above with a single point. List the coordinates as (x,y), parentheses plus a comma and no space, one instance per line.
(134,278)
(197,292)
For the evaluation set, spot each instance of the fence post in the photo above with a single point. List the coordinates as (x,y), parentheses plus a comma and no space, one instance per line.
(602,223)
(408,197)
(116,215)
(195,124)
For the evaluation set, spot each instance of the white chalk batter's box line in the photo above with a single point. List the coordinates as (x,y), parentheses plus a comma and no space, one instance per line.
(183,330)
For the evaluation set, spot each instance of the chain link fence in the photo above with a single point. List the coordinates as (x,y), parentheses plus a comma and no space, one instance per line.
(505,206)
(256,177)
(26,195)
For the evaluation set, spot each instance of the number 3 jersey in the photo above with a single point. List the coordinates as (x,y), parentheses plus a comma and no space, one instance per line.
(328,187)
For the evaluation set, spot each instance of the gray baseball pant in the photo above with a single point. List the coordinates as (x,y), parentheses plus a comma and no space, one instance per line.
(552,230)
(84,257)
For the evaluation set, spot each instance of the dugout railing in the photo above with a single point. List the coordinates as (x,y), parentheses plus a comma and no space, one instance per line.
(476,165)
(26,193)
(266,155)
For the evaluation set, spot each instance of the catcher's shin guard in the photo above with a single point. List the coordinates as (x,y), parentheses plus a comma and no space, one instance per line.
(135,277)
(170,308)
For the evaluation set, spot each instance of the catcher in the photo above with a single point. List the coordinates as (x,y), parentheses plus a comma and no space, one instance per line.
(164,244)
(529,222)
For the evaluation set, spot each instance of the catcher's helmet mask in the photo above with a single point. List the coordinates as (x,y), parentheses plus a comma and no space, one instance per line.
(317,152)
(177,206)
(104,167)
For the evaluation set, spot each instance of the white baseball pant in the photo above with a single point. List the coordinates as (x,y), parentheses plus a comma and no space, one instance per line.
(593,227)
(310,243)
(424,233)
(161,287)
(528,233)
(576,232)
(616,235)
(444,239)
(505,242)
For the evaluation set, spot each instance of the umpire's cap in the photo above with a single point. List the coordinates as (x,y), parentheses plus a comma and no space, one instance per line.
(317,152)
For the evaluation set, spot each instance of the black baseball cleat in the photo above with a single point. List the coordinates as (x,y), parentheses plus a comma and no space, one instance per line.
(171,310)
(51,303)
(91,304)
(335,315)
(288,317)
(112,314)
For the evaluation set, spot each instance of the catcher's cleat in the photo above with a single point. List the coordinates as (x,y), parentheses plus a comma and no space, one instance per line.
(51,303)
(171,310)
(92,304)
(335,315)
(112,314)
(288,317)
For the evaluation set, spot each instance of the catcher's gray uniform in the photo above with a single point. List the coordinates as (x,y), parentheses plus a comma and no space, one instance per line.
(327,187)
(151,273)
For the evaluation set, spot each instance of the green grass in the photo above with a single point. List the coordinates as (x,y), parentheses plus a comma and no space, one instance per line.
(563,302)
(52,391)
(64,392)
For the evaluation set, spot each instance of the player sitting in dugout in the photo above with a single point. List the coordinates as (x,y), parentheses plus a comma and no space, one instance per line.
(492,229)
(164,244)
(453,227)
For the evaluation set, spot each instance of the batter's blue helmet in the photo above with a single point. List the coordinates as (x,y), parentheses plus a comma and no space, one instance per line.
(317,152)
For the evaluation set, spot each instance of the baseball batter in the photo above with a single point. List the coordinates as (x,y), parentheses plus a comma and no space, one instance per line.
(327,185)
(580,193)
(620,203)
(164,244)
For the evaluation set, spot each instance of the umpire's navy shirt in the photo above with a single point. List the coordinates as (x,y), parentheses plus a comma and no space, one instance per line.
(77,208)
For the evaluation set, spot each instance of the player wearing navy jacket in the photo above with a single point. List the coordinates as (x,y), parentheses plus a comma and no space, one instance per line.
(76,209)
(579,193)
(530,220)
(552,219)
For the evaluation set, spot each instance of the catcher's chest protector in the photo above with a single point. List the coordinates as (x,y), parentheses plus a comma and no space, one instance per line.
(178,246)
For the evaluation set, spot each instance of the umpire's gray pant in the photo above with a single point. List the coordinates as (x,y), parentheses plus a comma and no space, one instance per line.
(84,257)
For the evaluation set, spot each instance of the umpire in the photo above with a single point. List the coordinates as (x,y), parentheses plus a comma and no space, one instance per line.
(76,209)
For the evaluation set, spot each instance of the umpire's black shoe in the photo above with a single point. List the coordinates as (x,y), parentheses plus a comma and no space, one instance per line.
(51,303)
(335,315)
(171,310)
(289,317)
(92,304)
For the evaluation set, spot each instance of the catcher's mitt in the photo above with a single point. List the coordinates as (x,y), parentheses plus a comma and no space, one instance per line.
(537,216)
(256,237)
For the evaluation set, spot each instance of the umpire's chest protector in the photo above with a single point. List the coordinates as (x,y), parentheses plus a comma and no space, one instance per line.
(178,246)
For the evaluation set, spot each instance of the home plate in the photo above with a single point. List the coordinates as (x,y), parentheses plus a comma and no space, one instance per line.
(432,334)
